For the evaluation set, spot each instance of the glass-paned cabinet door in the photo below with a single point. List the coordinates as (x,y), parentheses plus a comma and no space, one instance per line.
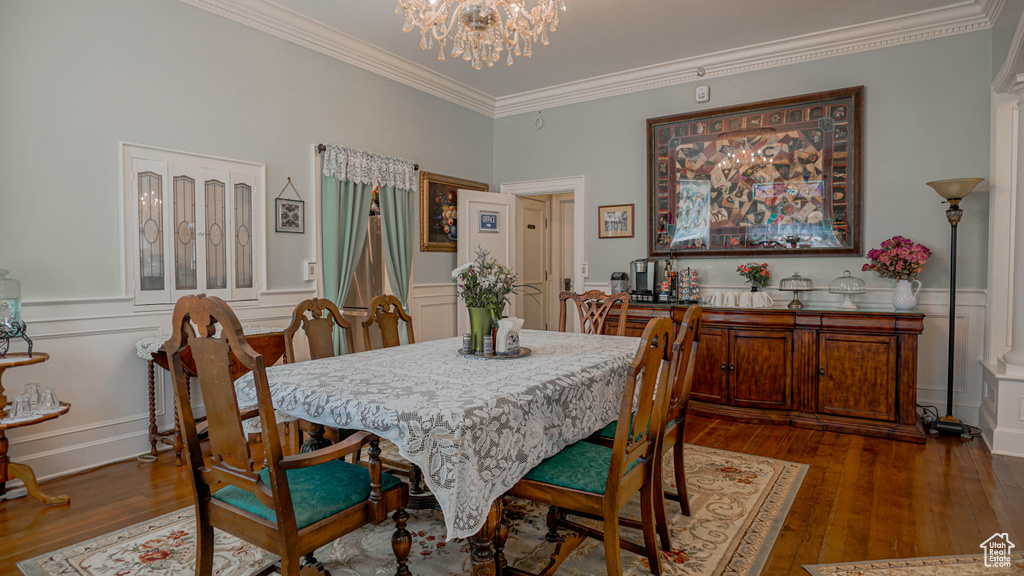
(184,221)
(216,232)
(243,237)
(148,182)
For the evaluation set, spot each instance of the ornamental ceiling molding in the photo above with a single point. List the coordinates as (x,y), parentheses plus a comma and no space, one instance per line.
(263,15)
(1011,74)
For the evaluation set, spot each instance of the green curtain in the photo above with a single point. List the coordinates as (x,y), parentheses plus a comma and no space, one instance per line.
(398,222)
(345,206)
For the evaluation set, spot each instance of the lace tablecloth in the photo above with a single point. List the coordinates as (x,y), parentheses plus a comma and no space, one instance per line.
(474,426)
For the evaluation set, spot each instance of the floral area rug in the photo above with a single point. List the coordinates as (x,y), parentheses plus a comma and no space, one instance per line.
(739,503)
(973,565)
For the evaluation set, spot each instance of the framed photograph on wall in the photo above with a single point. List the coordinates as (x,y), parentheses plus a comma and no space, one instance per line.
(291,216)
(615,221)
(779,177)
(438,216)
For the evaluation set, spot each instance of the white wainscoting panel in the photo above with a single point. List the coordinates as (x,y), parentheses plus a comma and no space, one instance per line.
(93,365)
(434,309)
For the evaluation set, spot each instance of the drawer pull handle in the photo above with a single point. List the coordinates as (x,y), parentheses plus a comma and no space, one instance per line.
(723,366)
(732,367)
(821,370)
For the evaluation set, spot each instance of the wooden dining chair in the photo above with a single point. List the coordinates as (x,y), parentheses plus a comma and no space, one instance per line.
(593,308)
(598,481)
(295,504)
(680,380)
(386,311)
(317,317)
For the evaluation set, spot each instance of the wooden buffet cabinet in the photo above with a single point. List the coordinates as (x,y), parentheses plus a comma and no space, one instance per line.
(821,368)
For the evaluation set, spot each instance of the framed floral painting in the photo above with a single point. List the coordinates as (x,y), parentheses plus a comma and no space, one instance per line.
(779,177)
(438,214)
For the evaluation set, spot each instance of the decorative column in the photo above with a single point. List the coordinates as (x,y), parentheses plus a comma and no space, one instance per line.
(1014,358)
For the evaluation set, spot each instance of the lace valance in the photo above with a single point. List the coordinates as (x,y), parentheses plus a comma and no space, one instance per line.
(366,168)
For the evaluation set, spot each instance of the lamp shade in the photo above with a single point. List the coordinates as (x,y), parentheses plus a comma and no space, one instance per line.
(956,188)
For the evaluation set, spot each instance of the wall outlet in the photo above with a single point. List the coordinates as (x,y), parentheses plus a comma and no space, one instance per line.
(703,94)
(310,270)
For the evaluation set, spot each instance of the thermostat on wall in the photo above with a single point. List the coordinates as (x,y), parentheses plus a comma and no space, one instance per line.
(703,93)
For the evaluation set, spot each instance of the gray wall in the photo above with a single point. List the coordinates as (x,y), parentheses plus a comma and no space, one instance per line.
(77,77)
(1003,32)
(927,118)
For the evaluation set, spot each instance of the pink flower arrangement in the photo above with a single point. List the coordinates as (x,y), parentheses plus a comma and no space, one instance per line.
(898,258)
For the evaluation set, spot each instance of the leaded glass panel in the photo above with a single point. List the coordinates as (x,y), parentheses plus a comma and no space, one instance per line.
(243,236)
(216,244)
(151,231)
(185,268)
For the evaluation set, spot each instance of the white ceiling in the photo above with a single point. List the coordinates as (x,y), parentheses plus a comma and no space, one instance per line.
(607,47)
(598,37)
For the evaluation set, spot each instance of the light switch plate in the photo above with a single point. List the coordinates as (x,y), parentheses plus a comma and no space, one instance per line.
(703,94)
(585,269)
(310,269)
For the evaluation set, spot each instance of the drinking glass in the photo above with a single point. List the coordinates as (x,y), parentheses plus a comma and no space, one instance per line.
(49,401)
(20,408)
(34,395)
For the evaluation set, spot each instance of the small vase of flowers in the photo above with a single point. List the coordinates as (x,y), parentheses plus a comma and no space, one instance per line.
(485,286)
(901,260)
(757,275)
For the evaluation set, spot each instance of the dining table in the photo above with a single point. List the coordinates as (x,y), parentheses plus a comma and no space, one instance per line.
(474,426)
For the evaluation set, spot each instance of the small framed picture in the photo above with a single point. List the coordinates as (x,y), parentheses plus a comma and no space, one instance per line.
(291,216)
(615,221)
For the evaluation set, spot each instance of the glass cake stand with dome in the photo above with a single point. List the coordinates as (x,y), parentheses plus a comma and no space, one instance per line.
(847,285)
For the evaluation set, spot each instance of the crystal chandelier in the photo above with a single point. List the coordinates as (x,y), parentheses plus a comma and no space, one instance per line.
(481,29)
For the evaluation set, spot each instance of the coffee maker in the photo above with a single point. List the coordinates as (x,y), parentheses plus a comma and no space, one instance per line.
(643,280)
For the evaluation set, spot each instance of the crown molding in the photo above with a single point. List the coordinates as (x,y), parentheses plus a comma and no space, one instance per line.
(278,21)
(266,16)
(1008,79)
(968,16)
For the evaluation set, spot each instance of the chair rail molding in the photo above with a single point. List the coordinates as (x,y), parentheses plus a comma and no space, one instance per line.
(264,15)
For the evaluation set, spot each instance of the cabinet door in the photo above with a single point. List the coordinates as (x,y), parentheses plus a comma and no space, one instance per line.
(710,373)
(857,376)
(761,368)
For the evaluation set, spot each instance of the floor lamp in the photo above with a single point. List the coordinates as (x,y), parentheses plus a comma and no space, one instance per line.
(953,191)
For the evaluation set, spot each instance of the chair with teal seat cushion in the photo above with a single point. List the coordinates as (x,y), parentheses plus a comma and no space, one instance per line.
(295,504)
(317,492)
(598,481)
(681,368)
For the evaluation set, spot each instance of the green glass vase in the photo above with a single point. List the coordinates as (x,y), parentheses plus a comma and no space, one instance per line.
(479,326)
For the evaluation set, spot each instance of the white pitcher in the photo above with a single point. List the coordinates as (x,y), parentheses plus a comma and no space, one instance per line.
(761,300)
(507,339)
(904,299)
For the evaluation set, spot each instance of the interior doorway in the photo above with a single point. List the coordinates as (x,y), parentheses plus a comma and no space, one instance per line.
(562,252)
(546,262)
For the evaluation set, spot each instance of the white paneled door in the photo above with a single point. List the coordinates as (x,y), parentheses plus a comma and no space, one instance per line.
(486,220)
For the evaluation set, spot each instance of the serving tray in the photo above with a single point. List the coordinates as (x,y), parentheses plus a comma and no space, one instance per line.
(523,352)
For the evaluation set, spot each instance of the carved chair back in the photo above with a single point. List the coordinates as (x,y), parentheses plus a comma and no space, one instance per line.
(386,311)
(684,360)
(317,317)
(641,414)
(593,308)
(231,459)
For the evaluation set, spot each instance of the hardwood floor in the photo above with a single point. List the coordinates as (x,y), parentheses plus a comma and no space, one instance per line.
(862,498)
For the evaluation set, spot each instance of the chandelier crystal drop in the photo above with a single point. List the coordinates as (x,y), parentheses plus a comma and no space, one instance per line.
(480,29)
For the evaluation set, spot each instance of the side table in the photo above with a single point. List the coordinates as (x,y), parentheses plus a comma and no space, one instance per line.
(8,469)
(266,341)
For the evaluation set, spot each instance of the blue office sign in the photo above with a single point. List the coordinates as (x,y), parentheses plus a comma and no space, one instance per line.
(489,222)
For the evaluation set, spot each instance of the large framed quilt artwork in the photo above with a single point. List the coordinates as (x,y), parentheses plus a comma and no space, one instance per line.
(779,177)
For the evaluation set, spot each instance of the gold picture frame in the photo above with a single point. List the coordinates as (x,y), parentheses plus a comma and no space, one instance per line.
(438,213)
(615,221)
